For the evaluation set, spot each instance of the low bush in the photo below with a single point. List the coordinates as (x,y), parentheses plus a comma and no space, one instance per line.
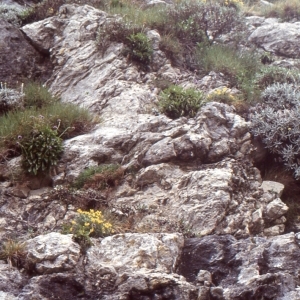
(177,102)
(100,177)
(88,224)
(139,48)
(271,74)
(222,95)
(276,122)
(41,147)
(286,10)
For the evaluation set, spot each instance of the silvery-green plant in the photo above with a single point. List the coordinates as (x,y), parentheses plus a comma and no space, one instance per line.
(277,122)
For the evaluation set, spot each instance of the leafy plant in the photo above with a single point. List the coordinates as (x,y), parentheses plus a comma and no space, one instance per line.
(176,102)
(276,122)
(140,48)
(13,252)
(88,224)
(99,177)
(41,148)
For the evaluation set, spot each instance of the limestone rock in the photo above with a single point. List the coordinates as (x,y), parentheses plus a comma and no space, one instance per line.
(18,58)
(53,252)
(278,38)
(273,187)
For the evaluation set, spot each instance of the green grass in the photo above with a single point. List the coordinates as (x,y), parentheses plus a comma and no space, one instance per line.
(239,68)
(106,172)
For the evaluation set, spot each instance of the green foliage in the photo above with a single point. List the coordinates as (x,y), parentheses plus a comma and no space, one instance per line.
(239,67)
(176,102)
(99,177)
(140,48)
(88,224)
(13,252)
(222,95)
(287,10)
(37,95)
(272,74)
(41,147)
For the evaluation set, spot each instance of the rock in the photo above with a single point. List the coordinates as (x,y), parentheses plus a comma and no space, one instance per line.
(52,252)
(10,99)
(274,230)
(11,281)
(136,251)
(18,58)
(275,209)
(273,187)
(278,38)
(244,269)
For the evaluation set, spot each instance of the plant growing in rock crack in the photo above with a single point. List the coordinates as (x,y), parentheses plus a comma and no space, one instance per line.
(13,252)
(177,102)
(88,224)
(276,122)
(42,147)
(100,177)
(139,48)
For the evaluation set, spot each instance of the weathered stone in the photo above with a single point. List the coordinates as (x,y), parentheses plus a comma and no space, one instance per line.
(279,38)
(273,187)
(18,58)
(53,252)
(274,230)
(275,209)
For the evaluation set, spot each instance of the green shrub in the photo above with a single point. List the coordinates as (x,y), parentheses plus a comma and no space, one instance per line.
(276,122)
(176,102)
(139,48)
(41,147)
(222,95)
(269,75)
(287,10)
(99,177)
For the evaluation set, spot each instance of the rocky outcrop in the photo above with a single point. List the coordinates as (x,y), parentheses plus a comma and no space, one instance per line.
(190,175)
(18,58)
(243,269)
(279,38)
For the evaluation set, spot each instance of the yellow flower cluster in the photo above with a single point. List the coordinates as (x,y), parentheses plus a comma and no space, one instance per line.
(88,222)
(233,3)
(221,92)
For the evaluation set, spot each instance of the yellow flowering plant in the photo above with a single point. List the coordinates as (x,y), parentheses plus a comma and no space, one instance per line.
(88,224)
(222,95)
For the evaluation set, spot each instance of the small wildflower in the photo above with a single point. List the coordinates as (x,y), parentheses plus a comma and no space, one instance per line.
(19,137)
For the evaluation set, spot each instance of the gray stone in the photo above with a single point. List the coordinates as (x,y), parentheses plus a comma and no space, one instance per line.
(273,187)
(275,209)
(53,252)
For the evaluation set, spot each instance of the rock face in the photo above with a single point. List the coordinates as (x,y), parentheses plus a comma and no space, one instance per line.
(18,58)
(192,175)
(278,38)
(256,268)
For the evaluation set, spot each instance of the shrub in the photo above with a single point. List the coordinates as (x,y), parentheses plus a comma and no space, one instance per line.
(276,122)
(139,48)
(99,177)
(286,10)
(239,67)
(272,74)
(19,123)
(88,224)
(13,252)
(41,147)
(176,102)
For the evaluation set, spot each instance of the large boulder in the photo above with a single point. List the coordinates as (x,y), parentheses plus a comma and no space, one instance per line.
(279,38)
